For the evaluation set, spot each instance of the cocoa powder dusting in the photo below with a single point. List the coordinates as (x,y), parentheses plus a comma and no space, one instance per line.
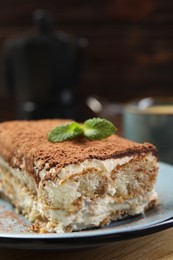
(10,222)
(22,143)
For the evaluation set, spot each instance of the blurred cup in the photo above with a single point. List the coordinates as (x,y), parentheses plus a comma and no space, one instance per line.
(151,120)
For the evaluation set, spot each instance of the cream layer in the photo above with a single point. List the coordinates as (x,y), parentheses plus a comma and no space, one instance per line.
(84,195)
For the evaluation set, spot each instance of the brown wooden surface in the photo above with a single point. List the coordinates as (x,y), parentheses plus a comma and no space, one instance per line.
(156,246)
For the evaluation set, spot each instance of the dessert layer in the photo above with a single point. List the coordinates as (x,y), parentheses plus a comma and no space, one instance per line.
(92,193)
(24,145)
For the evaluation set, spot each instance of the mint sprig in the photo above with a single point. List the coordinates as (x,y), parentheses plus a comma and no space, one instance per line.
(65,132)
(97,128)
(93,129)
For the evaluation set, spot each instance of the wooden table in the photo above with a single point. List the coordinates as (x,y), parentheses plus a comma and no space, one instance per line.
(155,246)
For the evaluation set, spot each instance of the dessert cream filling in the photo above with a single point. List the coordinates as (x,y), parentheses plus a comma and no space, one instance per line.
(77,198)
(105,165)
(101,165)
(93,214)
(20,175)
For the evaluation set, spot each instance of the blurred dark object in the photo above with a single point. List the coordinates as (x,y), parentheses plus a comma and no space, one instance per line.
(42,71)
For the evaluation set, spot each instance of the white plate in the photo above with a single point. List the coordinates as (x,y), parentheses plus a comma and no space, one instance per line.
(15,232)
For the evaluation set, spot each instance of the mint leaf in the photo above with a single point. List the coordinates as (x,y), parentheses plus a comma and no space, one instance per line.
(98,128)
(93,129)
(65,132)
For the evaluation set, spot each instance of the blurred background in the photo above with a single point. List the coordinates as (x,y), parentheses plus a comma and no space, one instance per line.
(53,61)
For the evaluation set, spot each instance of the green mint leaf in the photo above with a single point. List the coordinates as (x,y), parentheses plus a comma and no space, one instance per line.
(93,129)
(65,132)
(97,128)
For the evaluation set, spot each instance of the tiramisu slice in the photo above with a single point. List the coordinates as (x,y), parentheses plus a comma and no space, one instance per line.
(77,184)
